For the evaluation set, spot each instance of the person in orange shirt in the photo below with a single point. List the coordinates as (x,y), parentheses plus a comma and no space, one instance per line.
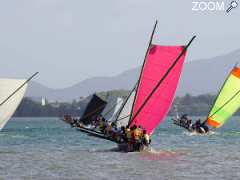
(136,138)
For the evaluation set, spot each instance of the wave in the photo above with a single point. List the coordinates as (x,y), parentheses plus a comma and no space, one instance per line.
(232,133)
(8,152)
(153,154)
(103,150)
(13,136)
(198,134)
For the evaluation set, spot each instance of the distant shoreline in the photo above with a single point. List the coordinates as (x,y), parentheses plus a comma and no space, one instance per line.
(192,105)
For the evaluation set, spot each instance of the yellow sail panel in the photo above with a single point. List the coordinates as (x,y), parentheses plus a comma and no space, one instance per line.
(227,102)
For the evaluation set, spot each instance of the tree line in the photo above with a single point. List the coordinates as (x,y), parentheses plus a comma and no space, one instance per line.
(192,105)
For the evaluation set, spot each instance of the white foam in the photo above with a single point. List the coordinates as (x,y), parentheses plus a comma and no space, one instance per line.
(194,133)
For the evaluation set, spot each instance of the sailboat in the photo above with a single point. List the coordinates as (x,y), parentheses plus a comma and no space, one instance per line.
(43,101)
(226,102)
(151,98)
(11,94)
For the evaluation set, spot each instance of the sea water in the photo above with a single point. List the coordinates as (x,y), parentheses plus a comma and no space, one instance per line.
(47,148)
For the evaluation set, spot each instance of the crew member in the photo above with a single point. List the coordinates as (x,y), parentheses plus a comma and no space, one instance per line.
(136,135)
(108,129)
(146,138)
(128,134)
(101,125)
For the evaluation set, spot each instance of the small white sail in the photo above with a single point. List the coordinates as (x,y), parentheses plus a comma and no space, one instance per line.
(116,109)
(124,115)
(108,110)
(43,102)
(7,87)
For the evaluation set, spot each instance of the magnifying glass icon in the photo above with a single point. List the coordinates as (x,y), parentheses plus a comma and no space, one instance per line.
(233,5)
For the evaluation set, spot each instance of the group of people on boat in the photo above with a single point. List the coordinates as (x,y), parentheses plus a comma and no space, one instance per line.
(198,126)
(133,138)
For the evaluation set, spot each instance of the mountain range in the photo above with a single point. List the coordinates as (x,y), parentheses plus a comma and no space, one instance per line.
(198,77)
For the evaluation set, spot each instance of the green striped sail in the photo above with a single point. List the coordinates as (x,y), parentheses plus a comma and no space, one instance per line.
(227,102)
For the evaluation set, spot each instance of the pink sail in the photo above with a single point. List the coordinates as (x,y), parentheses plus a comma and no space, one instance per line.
(157,63)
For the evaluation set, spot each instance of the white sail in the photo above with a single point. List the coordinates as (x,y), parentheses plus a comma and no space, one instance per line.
(116,109)
(43,102)
(7,87)
(124,114)
(108,110)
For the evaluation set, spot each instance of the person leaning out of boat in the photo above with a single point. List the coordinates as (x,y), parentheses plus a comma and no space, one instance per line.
(145,138)
(200,127)
(205,127)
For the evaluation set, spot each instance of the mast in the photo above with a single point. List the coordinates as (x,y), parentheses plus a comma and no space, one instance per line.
(29,79)
(138,82)
(162,79)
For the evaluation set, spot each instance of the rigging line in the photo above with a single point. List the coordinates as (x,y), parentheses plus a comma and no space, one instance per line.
(122,118)
(20,87)
(112,108)
(225,104)
(218,94)
(92,112)
(126,100)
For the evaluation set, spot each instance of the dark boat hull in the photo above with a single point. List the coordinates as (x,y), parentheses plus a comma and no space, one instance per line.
(94,133)
(185,126)
(124,147)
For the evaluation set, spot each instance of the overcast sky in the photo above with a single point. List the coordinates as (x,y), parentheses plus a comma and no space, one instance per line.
(71,40)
